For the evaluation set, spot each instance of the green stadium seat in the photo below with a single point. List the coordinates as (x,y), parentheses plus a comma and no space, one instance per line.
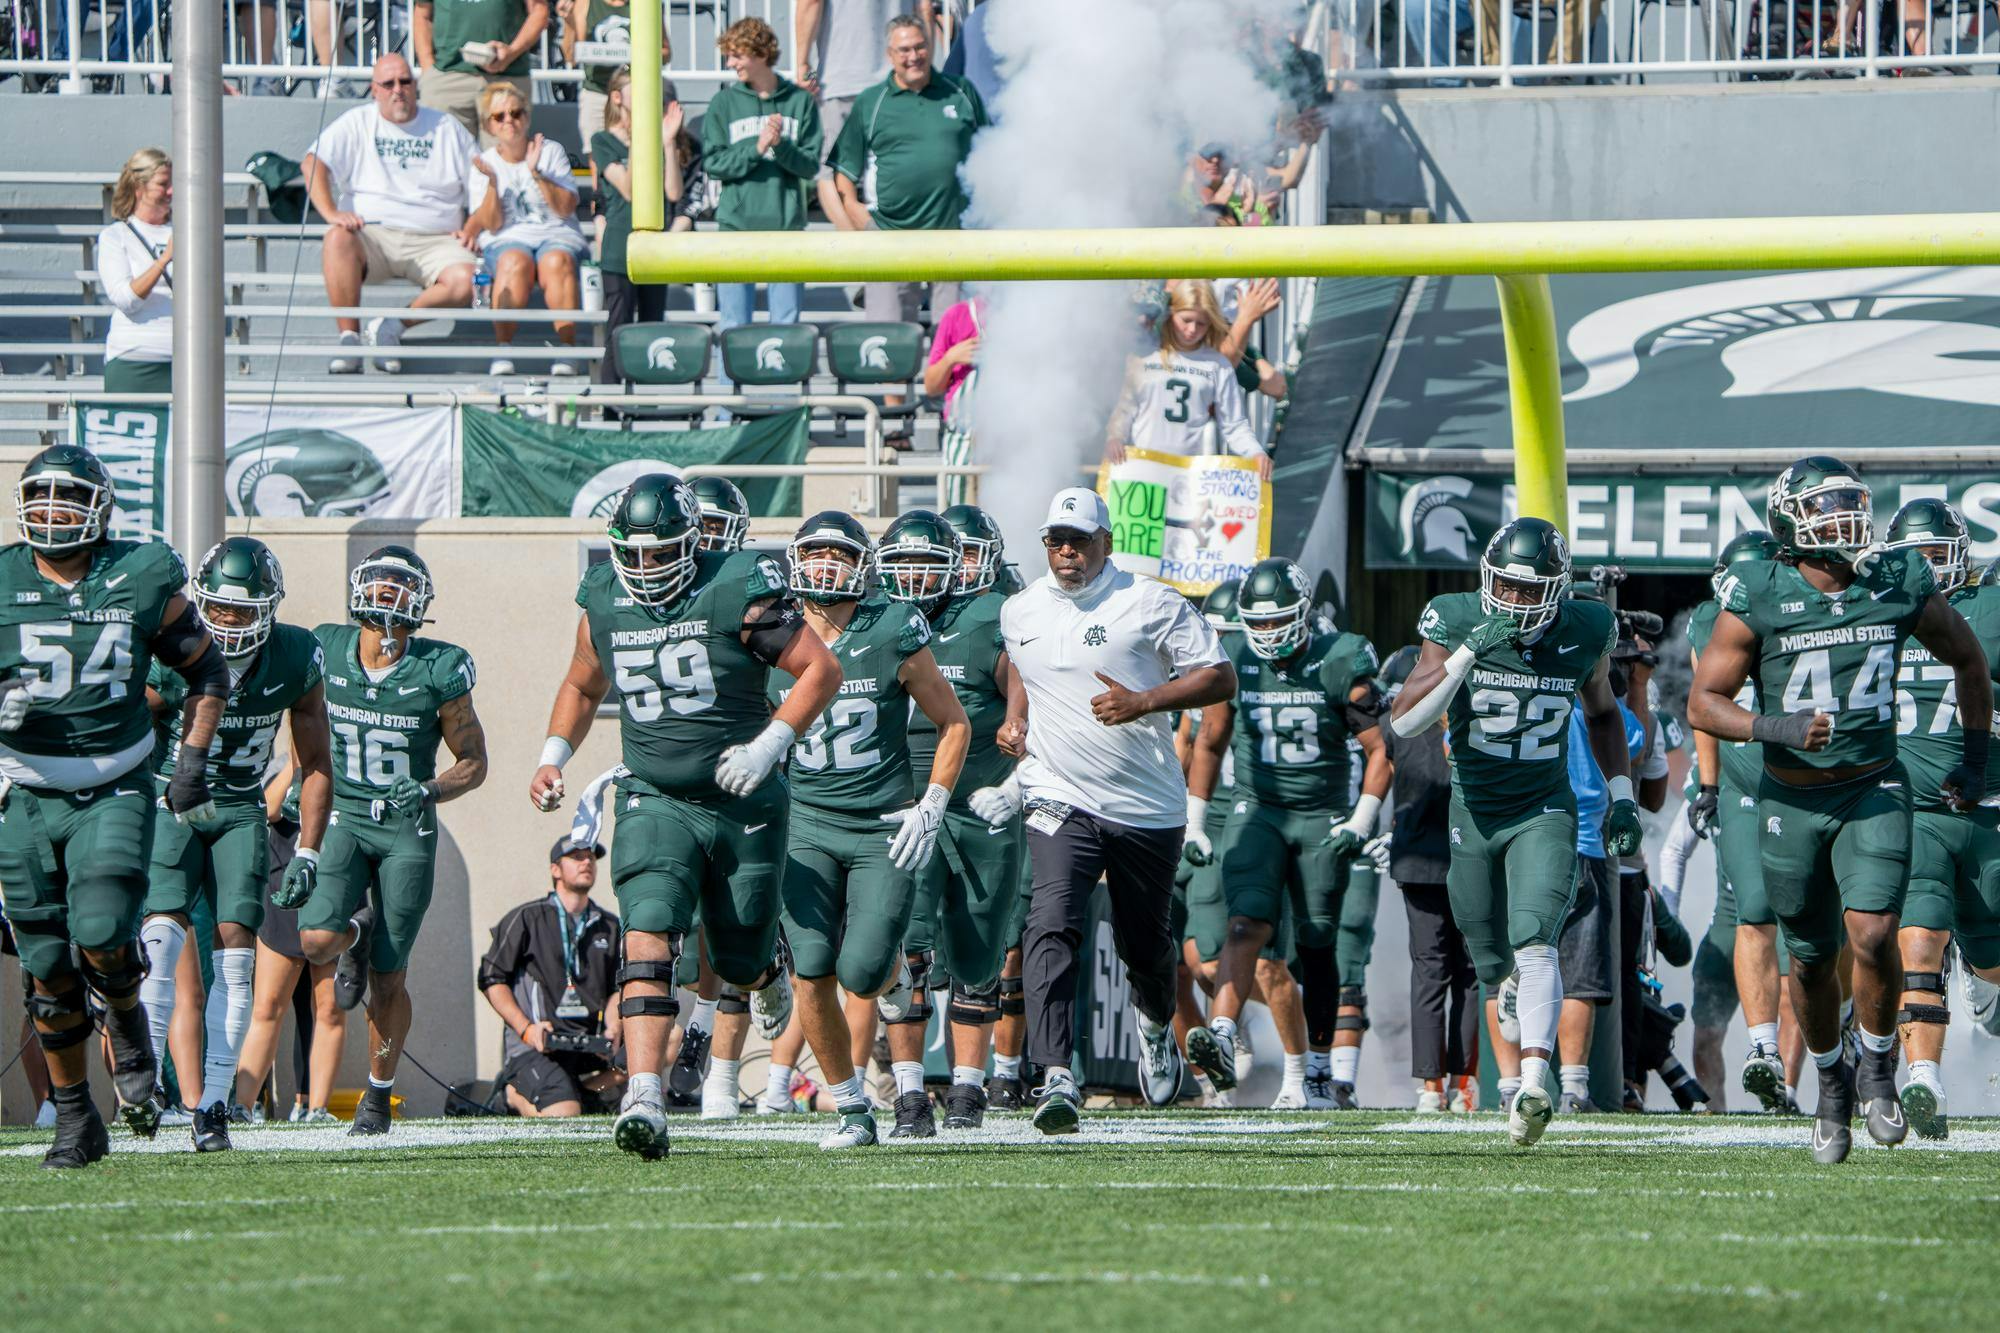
(664,354)
(771,355)
(885,355)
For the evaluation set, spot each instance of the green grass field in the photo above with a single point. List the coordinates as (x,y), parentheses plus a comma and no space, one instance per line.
(1259,1219)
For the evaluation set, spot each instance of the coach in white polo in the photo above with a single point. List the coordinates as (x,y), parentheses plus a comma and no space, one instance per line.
(1103,655)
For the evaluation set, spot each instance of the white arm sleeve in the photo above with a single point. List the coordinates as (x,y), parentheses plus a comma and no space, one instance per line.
(1432,706)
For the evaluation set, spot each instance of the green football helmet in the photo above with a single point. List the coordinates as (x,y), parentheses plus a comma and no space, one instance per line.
(725,514)
(1219,607)
(1819,506)
(237,588)
(1396,669)
(390,587)
(920,558)
(980,547)
(654,532)
(1275,605)
(1746,547)
(303,472)
(1524,573)
(831,557)
(1939,534)
(63,502)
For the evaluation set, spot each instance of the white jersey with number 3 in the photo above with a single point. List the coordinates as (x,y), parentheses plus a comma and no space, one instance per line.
(1170,398)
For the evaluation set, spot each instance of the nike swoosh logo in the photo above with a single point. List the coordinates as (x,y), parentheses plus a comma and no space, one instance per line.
(755,828)
(272,690)
(1566,650)
(115,580)
(1878,596)
(1026,642)
(856,652)
(947,638)
(408,689)
(423,832)
(120,791)
(993,832)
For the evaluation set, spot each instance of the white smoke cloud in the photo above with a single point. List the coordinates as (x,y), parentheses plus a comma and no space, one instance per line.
(1102,104)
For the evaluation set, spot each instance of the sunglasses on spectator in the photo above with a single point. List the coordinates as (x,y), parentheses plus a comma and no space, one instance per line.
(395,83)
(1057,538)
(513,113)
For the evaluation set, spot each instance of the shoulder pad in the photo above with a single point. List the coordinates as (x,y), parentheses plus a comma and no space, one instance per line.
(452,672)
(915,634)
(1434,624)
(1740,586)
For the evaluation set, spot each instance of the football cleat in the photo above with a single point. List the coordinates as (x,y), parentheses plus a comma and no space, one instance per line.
(1218,1099)
(1160,1067)
(350,974)
(1510,1010)
(914,1117)
(1004,1094)
(1430,1102)
(45,1118)
(1344,1098)
(719,1103)
(1923,1103)
(1058,1108)
(1464,1095)
(133,1070)
(371,1114)
(684,1080)
(1291,1097)
(1881,1108)
(857,1130)
(1764,1077)
(1319,1090)
(239,1114)
(1246,1058)
(173,1117)
(211,1128)
(1572,1104)
(1832,1138)
(319,1115)
(641,1127)
(964,1106)
(80,1139)
(771,1007)
(1529,1116)
(1982,997)
(1212,1057)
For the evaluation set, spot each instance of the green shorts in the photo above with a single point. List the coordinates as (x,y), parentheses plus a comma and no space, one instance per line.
(73,867)
(1208,918)
(1511,880)
(725,856)
(1955,880)
(846,905)
(1354,947)
(1271,857)
(1739,856)
(968,898)
(225,863)
(391,864)
(1831,849)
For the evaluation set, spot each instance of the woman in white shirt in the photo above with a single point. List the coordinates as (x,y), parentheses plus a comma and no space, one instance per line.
(1172,393)
(135,257)
(524,203)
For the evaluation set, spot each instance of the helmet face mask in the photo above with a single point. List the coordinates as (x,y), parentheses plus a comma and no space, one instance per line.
(236,592)
(391,588)
(831,559)
(725,514)
(1524,574)
(1274,606)
(1937,532)
(654,532)
(980,549)
(63,502)
(1818,507)
(921,558)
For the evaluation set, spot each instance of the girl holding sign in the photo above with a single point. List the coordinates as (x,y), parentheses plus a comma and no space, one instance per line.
(1172,394)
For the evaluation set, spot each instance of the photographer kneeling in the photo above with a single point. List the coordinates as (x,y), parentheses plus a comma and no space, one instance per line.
(550,974)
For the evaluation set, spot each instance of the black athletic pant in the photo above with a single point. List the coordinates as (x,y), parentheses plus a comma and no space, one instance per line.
(1444,988)
(626,302)
(1632,895)
(1138,865)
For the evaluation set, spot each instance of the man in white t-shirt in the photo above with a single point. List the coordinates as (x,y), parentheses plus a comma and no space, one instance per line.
(390,180)
(1104,655)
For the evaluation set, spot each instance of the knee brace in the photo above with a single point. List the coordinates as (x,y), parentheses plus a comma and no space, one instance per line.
(121,981)
(1013,998)
(61,1015)
(1932,983)
(664,972)
(1322,993)
(729,1000)
(975,1006)
(921,961)
(1352,997)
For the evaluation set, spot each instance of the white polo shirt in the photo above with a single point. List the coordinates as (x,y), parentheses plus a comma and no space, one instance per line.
(1139,632)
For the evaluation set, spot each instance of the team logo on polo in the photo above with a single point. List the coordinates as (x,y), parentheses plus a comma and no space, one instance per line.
(303,472)
(1432,522)
(1094,637)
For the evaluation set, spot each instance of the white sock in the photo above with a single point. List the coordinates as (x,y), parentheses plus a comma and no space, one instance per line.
(703,1018)
(1825,1059)
(778,1085)
(1320,1062)
(1575,1079)
(1006,1066)
(909,1075)
(968,1076)
(227,1019)
(1201,1081)
(1508,1087)
(161,937)
(722,1077)
(1223,1028)
(1792,1091)
(1534,1072)
(1764,1034)
(1346,1062)
(848,1093)
(642,1086)
(1871,1042)
(1295,1071)
(1540,999)
(387,1083)
(1926,1071)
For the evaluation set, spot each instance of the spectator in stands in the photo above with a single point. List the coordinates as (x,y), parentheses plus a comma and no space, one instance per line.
(606,23)
(1568,38)
(1432,29)
(837,46)
(524,216)
(450,36)
(973,58)
(135,258)
(552,969)
(1212,180)
(953,374)
(684,182)
(761,139)
(1175,390)
(390,180)
(1244,302)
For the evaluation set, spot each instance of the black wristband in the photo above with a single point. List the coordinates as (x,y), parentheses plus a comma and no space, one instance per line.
(1786,729)
(1709,789)
(1977,743)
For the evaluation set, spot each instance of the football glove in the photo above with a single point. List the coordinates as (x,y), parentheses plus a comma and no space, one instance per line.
(187,790)
(915,838)
(743,768)
(997,804)
(301,878)
(1344,843)
(1702,811)
(1965,785)
(1623,833)
(1493,632)
(1196,847)
(409,795)
(1376,849)
(15,701)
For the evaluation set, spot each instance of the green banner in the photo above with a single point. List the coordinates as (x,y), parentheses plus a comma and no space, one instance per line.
(1668,522)
(131,442)
(514,467)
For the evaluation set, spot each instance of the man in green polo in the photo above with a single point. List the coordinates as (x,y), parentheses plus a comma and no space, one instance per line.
(450,82)
(896,161)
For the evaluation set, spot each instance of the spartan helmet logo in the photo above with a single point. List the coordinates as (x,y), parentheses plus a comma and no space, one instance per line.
(1069,505)
(660,355)
(1432,523)
(875,353)
(771,354)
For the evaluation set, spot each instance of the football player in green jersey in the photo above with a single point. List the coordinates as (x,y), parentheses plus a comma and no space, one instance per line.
(274,669)
(849,890)
(82,618)
(688,638)
(391,697)
(1302,689)
(1954,853)
(1725,808)
(725,514)
(1530,654)
(1821,628)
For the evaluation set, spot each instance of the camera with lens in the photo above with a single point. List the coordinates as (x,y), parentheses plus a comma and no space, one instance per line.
(1656,1046)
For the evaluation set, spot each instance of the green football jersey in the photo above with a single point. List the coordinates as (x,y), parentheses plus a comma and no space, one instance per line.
(966,641)
(687,687)
(1929,736)
(1290,738)
(88,647)
(1509,723)
(1832,653)
(287,666)
(386,729)
(855,757)
(1741,761)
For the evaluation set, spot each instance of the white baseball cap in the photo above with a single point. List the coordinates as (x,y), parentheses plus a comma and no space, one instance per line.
(1080,508)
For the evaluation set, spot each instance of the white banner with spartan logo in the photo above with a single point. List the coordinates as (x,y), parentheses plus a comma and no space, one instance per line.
(1192,522)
